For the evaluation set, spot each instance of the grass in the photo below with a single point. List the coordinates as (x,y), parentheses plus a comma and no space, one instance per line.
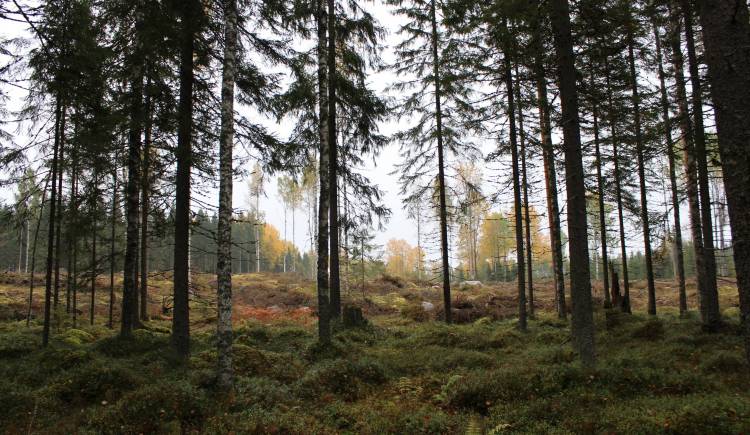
(394,376)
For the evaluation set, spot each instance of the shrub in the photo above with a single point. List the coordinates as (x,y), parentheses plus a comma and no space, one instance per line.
(17,343)
(261,391)
(724,362)
(341,377)
(415,312)
(155,407)
(652,330)
(95,381)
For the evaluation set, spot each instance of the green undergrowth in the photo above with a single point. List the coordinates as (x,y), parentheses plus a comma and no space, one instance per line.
(660,375)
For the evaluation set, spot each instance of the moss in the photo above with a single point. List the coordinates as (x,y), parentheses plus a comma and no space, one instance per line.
(161,406)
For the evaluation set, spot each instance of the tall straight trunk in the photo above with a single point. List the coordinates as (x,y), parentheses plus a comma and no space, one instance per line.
(550,176)
(641,173)
(129,313)
(73,271)
(526,208)
(94,265)
(602,213)
(181,317)
(58,216)
(224,334)
(441,165)
(51,230)
(709,299)
(580,283)
(21,234)
(625,303)
(324,314)
(112,251)
(517,206)
(33,250)
(677,251)
(688,155)
(28,247)
(145,204)
(333,165)
(726,35)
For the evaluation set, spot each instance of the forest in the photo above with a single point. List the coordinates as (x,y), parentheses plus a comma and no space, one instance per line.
(387,216)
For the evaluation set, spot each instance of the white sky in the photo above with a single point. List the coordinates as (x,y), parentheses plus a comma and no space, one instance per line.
(398,226)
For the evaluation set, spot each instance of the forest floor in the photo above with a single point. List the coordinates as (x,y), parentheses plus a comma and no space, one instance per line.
(402,373)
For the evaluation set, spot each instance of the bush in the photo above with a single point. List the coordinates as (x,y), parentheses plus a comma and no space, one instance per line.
(92,382)
(723,363)
(18,343)
(162,406)
(415,312)
(261,391)
(341,377)
(652,330)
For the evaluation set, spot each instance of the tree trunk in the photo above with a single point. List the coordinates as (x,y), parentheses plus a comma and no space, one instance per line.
(145,204)
(580,283)
(441,165)
(181,316)
(93,252)
(33,251)
(333,165)
(677,252)
(224,334)
(726,35)
(602,214)
(112,251)
(58,217)
(641,174)
(324,314)
(709,299)
(129,313)
(526,207)
(51,230)
(625,305)
(517,206)
(550,176)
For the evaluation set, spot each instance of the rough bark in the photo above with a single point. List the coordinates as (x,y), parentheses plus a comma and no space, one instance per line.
(709,293)
(324,315)
(58,216)
(224,335)
(129,313)
(677,251)
(625,305)
(640,159)
(110,320)
(189,11)
(602,213)
(688,153)
(580,282)
(550,176)
(51,230)
(33,251)
(441,165)
(726,35)
(94,265)
(335,279)
(517,205)
(145,205)
(526,206)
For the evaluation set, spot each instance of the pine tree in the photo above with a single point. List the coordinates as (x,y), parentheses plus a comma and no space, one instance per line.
(583,322)
(726,34)
(224,251)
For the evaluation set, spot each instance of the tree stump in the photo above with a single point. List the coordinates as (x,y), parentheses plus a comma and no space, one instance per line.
(353,317)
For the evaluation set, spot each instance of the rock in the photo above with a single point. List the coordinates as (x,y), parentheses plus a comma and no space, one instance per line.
(428,306)
(472,283)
